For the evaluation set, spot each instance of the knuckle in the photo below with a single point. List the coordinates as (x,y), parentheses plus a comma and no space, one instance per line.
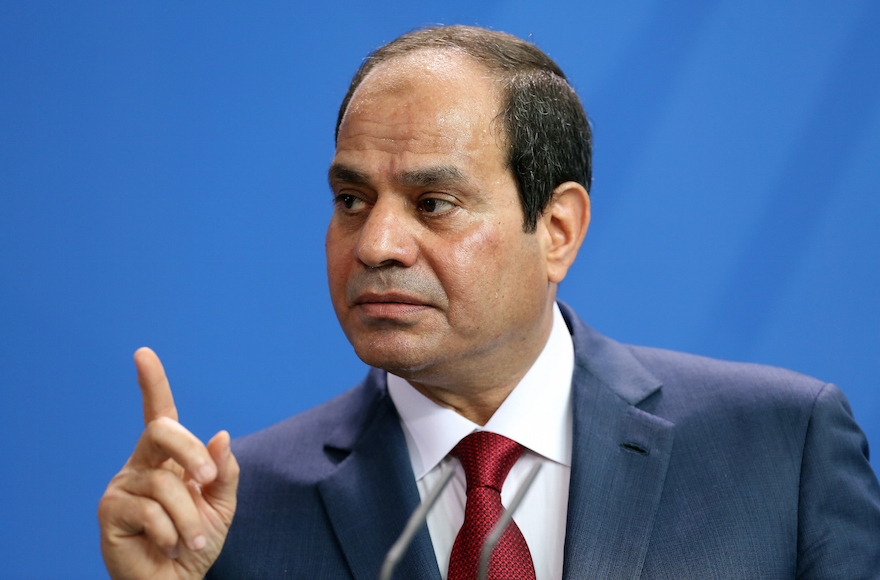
(112,493)
(159,425)
(150,432)
(165,537)
(164,422)
(234,468)
(151,514)
(112,503)
(106,507)
(162,482)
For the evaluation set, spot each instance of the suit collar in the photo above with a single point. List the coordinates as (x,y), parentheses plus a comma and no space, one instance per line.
(371,494)
(619,462)
(600,360)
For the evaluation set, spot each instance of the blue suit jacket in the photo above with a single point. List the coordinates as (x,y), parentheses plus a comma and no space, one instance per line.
(683,467)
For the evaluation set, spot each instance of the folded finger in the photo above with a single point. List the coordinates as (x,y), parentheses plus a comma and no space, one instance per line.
(136,515)
(165,439)
(172,494)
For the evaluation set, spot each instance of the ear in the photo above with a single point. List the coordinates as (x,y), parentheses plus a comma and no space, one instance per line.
(565,220)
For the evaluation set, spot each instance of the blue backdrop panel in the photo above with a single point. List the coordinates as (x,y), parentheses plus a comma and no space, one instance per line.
(162,182)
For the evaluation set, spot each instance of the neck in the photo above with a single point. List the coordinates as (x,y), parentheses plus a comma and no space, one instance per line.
(477,407)
(476,392)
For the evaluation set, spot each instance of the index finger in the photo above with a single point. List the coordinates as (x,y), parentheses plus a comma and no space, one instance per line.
(155,390)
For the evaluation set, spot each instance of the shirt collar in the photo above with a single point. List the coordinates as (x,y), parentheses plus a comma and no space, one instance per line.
(536,414)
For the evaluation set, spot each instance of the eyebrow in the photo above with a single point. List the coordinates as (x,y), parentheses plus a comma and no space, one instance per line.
(344,173)
(424,177)
(430,176)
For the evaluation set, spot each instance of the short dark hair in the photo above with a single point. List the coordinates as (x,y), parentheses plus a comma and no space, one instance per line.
(547,132)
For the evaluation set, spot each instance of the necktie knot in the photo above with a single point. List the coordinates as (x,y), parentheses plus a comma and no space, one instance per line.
(487,459)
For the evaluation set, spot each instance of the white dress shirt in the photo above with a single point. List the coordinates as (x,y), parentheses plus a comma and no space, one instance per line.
(536,414)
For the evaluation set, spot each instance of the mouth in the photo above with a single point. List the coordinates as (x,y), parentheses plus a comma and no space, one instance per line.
(389,304)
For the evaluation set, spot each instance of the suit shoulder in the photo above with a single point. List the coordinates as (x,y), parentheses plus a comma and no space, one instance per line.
(672,368)
(634,372)
(713,388)
(298,444)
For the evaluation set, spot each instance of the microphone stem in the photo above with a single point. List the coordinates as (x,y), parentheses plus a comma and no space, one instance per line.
(504,521)
(416,521)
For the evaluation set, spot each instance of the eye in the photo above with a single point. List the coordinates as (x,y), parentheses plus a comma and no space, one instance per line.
(435,206)
(348,201)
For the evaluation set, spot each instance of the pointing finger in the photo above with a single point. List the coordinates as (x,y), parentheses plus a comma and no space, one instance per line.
(155,390)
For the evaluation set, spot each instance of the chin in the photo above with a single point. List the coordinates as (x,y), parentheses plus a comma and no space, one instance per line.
(399,359)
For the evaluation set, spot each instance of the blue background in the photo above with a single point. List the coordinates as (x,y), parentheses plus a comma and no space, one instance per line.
(162,182)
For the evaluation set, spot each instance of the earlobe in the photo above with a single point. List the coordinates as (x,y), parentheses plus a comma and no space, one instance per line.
(565,220)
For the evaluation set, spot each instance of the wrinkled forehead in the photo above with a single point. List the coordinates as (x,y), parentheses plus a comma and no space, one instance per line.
(443,83)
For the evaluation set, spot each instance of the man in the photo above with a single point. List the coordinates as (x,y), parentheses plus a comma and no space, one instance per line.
(460,184)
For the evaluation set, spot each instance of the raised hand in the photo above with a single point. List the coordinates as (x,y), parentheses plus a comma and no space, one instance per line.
(165,515)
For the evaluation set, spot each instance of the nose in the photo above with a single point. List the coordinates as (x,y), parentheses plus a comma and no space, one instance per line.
(387,236)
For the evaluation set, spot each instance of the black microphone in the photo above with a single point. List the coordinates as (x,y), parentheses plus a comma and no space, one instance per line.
(504,521)
(416,521)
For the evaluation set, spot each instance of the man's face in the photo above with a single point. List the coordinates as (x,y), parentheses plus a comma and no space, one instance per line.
(430,272)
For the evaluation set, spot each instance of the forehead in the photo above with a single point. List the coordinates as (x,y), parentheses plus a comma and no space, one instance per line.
(430,99)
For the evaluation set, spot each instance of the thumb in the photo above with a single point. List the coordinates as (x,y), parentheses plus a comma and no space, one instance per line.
(155,390)
(221,492)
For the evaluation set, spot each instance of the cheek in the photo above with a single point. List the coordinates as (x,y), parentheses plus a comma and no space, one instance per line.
(492,268)
(470,268)
(337,265)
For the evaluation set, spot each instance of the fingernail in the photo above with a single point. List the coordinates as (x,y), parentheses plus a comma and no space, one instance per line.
(205,473)
(175,552)
(198,542)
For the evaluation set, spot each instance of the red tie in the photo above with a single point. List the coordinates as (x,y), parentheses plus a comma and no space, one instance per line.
(487,459)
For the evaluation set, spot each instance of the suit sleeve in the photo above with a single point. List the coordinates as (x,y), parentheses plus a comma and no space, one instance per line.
(839,503)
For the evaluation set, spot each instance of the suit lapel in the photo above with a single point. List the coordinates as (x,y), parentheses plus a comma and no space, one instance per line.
(619,459)
(372,493)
